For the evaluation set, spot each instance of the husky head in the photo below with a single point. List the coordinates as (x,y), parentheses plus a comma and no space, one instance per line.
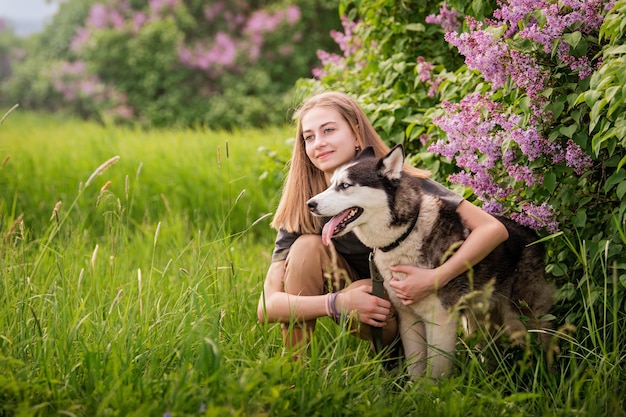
(359,196)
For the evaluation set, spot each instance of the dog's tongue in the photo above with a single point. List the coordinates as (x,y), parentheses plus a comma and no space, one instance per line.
(329,228)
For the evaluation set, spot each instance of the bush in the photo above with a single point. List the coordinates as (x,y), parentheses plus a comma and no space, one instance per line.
(525,113)
(174,62)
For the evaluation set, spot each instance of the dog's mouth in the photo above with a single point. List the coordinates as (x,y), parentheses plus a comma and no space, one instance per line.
(338,223)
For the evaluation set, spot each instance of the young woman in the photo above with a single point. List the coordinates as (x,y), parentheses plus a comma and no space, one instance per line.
(307,280)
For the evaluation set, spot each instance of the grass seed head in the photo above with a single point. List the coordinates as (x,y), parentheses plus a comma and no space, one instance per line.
(18,222)
(55,211)
(93,257)
(102,191)
(101,169)
(7,113)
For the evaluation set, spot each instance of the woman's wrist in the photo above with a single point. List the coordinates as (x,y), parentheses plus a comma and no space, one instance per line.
(332,306)
(327,299)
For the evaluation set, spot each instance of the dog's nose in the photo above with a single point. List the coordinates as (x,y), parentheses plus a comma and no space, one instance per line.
(312,205)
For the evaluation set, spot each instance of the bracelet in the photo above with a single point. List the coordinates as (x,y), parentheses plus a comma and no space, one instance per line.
(327,302)
(333,305)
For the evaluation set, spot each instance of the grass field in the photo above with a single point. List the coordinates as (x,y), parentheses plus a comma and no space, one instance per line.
(129,288)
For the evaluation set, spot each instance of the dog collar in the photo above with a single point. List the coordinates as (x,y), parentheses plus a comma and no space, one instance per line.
(401,239)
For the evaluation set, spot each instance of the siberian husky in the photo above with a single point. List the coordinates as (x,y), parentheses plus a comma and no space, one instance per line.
(388,212)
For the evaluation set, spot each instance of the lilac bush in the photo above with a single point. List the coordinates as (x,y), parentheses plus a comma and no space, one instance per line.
(485,135)
(184,62)
(500,137)
(347,42)
(530,121)
(231,49)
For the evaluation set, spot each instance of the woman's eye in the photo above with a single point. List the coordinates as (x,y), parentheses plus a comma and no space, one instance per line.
(329,129)
(308,138)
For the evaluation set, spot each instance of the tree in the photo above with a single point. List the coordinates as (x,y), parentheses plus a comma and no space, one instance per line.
(174,62)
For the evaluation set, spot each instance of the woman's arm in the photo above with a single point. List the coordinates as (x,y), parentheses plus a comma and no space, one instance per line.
(275,305)
(486,233)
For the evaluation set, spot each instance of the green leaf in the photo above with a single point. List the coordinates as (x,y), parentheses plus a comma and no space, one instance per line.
(549,181)
(621,163)
(556,107)
(568,131)
(621,190)
(573,38)
(415,27)
(521,396)
(595,113)
(615,50)
(592,96)
(614,179)
(556,269)
(611,91)
(580,220)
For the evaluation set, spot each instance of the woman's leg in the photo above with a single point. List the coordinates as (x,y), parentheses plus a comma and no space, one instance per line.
(310,269)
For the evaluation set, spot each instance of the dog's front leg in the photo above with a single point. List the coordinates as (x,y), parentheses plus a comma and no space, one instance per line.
(413,335)
(441,328)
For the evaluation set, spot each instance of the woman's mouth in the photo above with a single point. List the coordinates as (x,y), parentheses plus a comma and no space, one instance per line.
(323,155)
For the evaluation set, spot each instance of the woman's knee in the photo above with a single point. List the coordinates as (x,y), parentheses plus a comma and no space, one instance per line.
(311,266)
(308,245)
(304,266)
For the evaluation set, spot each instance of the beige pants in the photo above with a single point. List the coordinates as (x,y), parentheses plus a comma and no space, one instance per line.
(313,269)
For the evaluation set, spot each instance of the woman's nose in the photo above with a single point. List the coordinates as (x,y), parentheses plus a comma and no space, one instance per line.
(318,142)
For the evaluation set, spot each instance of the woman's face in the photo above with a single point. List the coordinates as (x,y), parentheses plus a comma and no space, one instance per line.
(328,139)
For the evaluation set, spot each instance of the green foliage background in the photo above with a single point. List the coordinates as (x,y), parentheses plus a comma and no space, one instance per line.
(144,66)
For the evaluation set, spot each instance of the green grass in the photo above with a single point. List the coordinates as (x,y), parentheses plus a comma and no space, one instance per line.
(139,299)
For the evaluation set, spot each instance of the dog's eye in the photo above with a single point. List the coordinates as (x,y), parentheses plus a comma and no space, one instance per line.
(344,185)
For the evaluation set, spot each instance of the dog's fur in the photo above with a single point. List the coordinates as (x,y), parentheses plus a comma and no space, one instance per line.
(376,199)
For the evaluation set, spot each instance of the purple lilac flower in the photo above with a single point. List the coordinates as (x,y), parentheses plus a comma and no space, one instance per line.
(537,217)
(447,18)
(213,11)
(523,174)
(348,43)
(221,54)
(424,69)
(139,19)
(98,16)
(482,52)
(157,6)
(80,39)
(530,141)
(493,207)
(526,74)
(292,14)
(559,17)
(576,158)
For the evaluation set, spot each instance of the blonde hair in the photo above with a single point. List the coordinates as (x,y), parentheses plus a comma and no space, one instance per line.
(304,180)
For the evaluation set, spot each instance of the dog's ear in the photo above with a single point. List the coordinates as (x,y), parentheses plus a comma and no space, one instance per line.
(391,165)
(365,153)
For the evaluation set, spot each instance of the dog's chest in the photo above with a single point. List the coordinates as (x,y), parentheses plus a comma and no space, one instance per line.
(383,262)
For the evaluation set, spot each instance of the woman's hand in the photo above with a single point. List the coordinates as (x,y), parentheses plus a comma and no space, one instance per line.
(358,297)
(418,284)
